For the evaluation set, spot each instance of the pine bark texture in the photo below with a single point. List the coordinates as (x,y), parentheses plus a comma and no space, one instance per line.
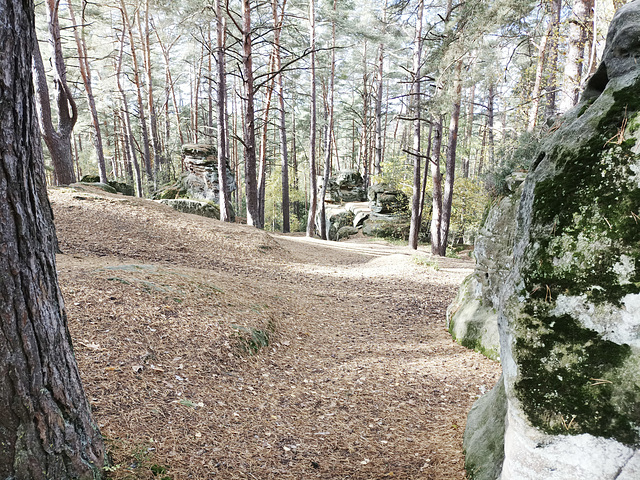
(414,229)
(436,214)
(447,199)
(58,139)
(46,429)
(313,182)
(85,71)
(224,196)
(249,120)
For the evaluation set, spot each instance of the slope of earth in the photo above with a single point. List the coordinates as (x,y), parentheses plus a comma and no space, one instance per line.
(355,376)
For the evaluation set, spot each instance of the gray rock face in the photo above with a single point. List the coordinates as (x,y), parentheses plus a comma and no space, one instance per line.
(385,200)
(346,186)
(569,311)
(484,436)
(472,318)
(195,207)
(201,181)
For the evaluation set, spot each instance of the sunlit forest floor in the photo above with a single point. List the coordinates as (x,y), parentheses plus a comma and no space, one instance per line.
(212,350)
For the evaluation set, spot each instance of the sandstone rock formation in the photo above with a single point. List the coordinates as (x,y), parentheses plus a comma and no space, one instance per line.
(199,184)
(346,186)
(472,319)
(569,311)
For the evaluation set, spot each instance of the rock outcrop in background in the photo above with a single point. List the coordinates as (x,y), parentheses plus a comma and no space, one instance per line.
(569,310)
(348,212)
(197,190)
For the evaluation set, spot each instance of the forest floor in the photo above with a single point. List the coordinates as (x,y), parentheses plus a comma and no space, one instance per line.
(170,314)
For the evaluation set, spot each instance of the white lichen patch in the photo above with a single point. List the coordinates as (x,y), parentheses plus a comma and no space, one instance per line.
(625,269)
(618,325)
(635,178)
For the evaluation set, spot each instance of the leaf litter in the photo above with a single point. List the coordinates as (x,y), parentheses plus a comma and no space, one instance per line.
(355,375)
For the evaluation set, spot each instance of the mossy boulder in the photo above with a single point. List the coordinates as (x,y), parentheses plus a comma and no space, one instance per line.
(346,232)
(101,186)
(385,200)
(472,318)
(118,187)
(195,207)
(387,226)
(484,436)
(569,313)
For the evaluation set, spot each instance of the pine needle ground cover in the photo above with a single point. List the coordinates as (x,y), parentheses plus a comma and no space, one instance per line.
(211,350)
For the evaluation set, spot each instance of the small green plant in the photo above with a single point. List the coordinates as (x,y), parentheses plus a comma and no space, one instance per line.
(251,340)
(160,471)
(454,251)
(425,262)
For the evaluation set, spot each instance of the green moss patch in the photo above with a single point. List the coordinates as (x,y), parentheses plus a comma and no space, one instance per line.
(570,376)
(585,231)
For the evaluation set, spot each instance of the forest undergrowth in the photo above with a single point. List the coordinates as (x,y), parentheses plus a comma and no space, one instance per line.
(211,350)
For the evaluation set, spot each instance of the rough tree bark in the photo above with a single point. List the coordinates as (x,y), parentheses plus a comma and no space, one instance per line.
(85,71)
(58,140)
(313,182)
(284,153)
(447,199)
(324,234)
(126,25)
(414,228)
(46,428)
(223,187)
(251,186)
(436,177)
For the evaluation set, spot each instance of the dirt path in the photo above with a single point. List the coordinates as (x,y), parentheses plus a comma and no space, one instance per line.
(360,379)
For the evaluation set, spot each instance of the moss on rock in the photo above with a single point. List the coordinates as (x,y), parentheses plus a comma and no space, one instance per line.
(584,251)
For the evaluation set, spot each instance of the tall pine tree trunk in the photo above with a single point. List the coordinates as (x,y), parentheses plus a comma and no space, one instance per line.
(85,71)
(552,65)
(284,152)
(414,228)
(224,198)
(436,178)
(251,186)
(126,117)
(447,199)
(46,428)
(136,79)
(537,85)
(324,233)
(143,30)
(313,183)
(58,139)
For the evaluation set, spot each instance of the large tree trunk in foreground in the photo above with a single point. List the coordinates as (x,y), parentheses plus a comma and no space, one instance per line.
(46,429)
